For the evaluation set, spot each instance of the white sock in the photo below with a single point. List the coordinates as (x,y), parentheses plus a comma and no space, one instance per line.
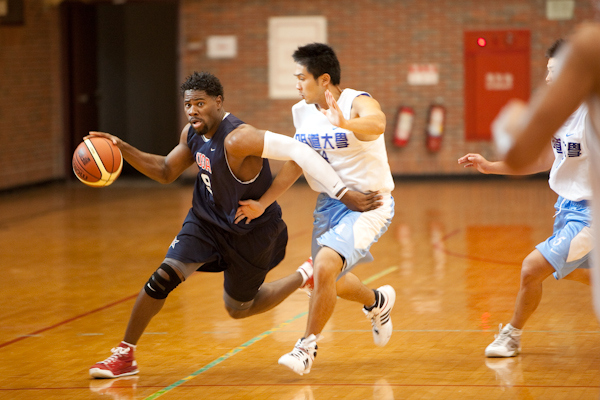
(513,330)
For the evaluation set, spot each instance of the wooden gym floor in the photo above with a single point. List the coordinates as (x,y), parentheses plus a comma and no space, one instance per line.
(74,258)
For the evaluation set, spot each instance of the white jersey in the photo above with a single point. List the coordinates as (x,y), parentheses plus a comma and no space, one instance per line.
(569,176)
(361,165)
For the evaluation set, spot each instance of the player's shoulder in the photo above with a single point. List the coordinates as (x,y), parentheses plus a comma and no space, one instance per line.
(355,96)
(299,105)
(232,122)
(186,134)
(354,93)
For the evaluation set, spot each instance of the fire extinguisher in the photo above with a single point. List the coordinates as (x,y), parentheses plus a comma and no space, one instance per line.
(404,124)
(435,127)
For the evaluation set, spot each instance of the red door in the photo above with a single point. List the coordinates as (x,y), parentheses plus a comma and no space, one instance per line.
(497,69)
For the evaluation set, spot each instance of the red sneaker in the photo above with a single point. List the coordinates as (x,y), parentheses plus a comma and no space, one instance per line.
(121,363)
(306,269)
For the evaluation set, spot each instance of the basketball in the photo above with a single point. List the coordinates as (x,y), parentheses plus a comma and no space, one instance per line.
(97,162)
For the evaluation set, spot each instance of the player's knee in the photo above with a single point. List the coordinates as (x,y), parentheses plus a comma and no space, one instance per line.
(328,268)
(235,308)
(535,270)
(162,282)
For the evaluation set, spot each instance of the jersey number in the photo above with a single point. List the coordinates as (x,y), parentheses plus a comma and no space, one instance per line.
(206,180)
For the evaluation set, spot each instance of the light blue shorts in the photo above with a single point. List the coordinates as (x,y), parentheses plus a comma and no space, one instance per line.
(349,233)
(571,242)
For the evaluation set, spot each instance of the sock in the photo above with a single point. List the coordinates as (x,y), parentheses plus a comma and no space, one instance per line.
(377,300)
(133,346)
(513,330)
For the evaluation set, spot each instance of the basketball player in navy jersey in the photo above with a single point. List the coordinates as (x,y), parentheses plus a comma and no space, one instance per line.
(231,169)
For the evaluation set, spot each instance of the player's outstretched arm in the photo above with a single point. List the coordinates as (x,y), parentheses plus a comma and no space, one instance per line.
(474,160)
(289,173)
(246,141)
(163,169)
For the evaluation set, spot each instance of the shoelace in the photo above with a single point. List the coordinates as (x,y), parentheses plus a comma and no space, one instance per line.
(299,353)
(117,351)
(372,314)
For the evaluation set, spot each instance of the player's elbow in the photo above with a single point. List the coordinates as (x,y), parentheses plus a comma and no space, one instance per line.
(381,126)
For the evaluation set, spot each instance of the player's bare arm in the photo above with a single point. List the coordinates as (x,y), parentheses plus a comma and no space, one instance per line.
(246,143)
(252,209)
(290,172)
(163,169)
(477,161)
(367,120)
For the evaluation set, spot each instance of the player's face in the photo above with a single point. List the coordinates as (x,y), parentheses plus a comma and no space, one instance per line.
(308,87)
(202,110)
(550,75)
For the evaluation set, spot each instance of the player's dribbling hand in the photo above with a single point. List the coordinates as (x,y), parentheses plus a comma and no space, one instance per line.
(108,136)
(358,201)
(249,209)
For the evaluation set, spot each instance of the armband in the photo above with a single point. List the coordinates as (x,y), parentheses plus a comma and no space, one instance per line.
(341,193)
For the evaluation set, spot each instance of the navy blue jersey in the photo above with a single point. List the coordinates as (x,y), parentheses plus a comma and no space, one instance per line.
(217,191)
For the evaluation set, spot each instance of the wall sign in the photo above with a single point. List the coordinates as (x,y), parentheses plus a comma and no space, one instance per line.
(423,74)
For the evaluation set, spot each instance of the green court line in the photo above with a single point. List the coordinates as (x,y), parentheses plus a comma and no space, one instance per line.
(224,357)
(250,342)
(379,275)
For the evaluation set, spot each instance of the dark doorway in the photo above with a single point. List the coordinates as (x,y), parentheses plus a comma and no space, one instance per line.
(121,73)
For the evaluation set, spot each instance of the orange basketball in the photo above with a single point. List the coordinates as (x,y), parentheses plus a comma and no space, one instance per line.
(97,162)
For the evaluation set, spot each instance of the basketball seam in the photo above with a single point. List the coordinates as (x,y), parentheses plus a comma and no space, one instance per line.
(79,163)
(92,149)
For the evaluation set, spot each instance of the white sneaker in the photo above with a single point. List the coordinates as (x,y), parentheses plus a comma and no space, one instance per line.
(380,314)
(301,358)
(507,343)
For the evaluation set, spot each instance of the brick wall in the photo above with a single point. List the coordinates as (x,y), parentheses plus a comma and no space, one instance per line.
(31,136)
(376,41)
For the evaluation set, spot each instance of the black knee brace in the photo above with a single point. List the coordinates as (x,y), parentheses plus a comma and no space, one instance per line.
(159,287)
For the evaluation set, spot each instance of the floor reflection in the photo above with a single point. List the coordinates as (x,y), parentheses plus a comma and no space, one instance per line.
(508,370)
(116,389)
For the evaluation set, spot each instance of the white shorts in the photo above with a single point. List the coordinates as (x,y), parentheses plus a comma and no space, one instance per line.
(349,233)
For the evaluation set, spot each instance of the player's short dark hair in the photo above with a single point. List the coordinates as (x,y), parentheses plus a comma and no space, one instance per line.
(552,50)
(319,59)
(203,81)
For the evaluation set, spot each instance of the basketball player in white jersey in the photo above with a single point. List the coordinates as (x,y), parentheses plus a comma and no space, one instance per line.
(346,127)
(524,130)
(565,254)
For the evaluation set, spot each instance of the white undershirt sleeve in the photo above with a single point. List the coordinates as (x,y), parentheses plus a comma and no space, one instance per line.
(281,147)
